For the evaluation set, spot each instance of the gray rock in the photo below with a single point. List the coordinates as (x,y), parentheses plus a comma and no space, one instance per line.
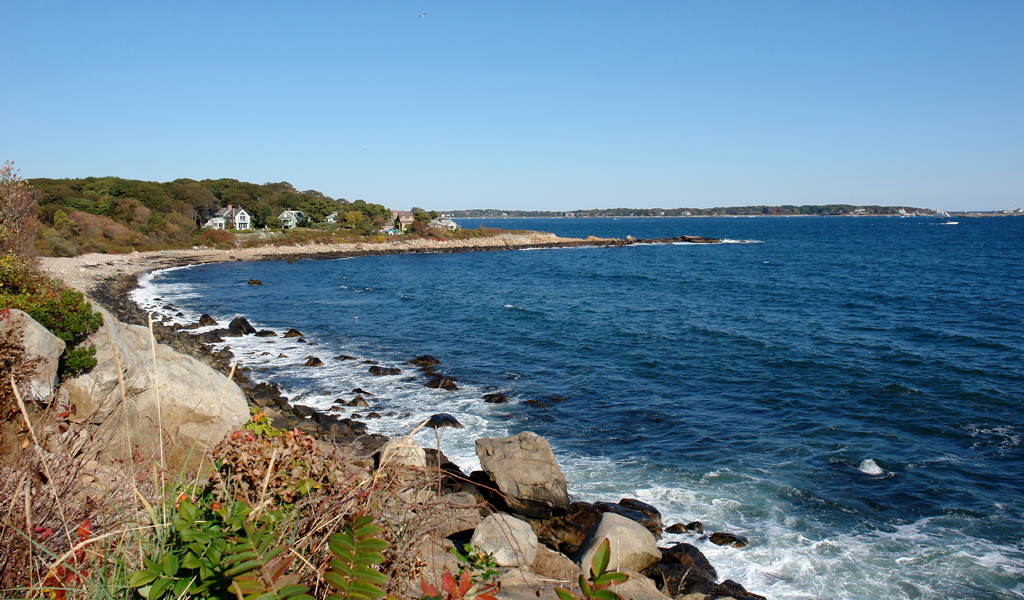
(632,546)
(197,405)
(41,352)
(512,541)
(526,472)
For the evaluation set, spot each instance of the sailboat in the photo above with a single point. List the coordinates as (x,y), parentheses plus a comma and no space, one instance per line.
(944,217)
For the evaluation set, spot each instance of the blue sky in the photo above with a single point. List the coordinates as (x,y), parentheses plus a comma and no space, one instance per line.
(529,105)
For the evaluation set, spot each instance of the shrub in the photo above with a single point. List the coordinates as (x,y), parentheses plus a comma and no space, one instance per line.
(217,238)
(66,314)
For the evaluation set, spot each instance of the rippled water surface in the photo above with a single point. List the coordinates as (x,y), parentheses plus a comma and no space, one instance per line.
(846,392)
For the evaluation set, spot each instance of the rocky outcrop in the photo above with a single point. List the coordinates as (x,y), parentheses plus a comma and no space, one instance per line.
(526,472)
(631,545)
(40,355)
(196,405)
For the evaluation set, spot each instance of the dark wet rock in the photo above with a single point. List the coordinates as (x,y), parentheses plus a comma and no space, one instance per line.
(369,362)
(265,333)
(373,415)
(556,399)
(304,411)
(255,282)
(497,398)
(293,333)
(535,403)
(695,526)
(689,556)
(443,420)
(361,392)
(731,589)
(679,580)
(729,539)
(382,371)
(209,337)
(301,341)
(652,513)
(676,528)
(357,416)
(282,355)
(424,360)
(312,361)
(224,354)
(241,326)
(442,382)
(344,357)
(358,401)
(652,525)
(566,533)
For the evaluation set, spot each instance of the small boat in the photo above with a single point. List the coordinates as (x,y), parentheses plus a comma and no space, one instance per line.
(944,218)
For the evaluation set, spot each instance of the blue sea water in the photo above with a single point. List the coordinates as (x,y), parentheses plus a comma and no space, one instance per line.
(848,393)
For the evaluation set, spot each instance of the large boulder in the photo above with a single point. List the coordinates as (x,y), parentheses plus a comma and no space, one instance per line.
(526,473)
(632,546)
(196,405)
(512,541)
(41,352)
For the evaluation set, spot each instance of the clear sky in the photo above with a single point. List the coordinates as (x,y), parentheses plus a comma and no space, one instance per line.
(529,105)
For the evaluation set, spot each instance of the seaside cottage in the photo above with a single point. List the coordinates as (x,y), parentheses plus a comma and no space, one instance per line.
(291,219)
(331,218)
(402,219)
(230,217)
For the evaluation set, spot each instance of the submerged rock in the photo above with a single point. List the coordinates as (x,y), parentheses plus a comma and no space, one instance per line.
(497,398)
(255,282)
(424,360)
(442,382)
(382,371)
(728,539)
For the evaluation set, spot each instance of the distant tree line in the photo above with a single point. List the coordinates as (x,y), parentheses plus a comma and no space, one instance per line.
(787,209)
(110,214)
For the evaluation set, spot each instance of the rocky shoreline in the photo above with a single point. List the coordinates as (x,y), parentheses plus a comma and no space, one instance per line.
(559,528)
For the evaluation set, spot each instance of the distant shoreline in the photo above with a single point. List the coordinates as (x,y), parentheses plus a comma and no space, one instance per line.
(956,214)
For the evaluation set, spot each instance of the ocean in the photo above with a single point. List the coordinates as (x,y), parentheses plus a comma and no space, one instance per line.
(848,393)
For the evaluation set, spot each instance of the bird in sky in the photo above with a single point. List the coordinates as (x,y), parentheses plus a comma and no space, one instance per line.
(421,15)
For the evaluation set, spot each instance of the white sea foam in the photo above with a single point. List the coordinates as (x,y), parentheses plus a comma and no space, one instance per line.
(870,467)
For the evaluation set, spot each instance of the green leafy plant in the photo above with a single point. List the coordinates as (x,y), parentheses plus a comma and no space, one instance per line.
(600,578)
(211,549)
(480,565)
(260,425)
(356,550)
(258,568)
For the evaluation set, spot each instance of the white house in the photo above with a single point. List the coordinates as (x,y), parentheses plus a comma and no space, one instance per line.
(230,218)
(331,218)
(443,224)
(292,218)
